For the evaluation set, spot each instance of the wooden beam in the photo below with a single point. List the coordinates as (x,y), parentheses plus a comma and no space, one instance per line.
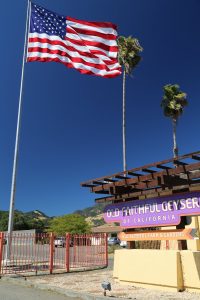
(103,192)
(130,181)
(143,178)
(178,162)
(110,180)
(98,182)
(100,190)
(194,175)
(134,174)
(141,195)
(158,192)
(166,193)
(87,185)
(113,190)
(149,171)
(128,196)
(194,188)
(175,179)
(156,164)
(163,167)
(195,157)
(147,184)
(122,177)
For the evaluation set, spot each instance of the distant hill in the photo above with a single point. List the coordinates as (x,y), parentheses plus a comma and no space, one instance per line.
(37,215)
(91,211)
(93,214)
(36,219)
(29,220)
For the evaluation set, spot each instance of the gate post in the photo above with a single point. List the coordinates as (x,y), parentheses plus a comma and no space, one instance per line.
(1,248)
(67,254)
(167,245)
(106,248)
(51,253)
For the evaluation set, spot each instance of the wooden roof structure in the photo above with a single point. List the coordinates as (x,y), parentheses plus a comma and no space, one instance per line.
(162,178)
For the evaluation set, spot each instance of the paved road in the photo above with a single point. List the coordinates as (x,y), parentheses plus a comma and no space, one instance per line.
(10,291)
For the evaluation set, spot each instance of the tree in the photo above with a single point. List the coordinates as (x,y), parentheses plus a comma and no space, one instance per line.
(22,221)
(129,58)
(173,103)
(72,223)
(3,220)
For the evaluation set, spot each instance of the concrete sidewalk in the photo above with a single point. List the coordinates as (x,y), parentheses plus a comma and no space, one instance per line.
(87,285)
(11,291)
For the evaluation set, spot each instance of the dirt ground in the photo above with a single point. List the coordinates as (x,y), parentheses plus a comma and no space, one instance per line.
(89,282)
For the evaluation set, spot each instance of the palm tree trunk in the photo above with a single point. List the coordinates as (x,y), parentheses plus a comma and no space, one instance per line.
(124,121)
(182,244)
(175,148)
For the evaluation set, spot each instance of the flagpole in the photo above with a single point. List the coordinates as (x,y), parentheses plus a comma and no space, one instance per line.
(16,151)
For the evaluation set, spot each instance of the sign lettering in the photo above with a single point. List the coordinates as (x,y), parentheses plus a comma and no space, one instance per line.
(176,234)
(162,211)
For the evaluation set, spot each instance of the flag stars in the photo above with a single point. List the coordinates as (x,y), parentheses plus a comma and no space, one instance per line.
(47,22)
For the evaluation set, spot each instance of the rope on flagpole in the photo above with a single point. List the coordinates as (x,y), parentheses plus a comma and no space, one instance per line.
(15,160)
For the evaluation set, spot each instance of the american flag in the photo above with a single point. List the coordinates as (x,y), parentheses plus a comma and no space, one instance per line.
(89,47)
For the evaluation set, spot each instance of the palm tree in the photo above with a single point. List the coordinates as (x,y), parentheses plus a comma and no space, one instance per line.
(173,103)
(128,57)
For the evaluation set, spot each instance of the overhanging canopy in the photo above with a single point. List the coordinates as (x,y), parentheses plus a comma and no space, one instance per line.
(162,178)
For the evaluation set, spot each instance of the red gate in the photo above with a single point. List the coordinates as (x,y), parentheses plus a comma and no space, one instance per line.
(45,252)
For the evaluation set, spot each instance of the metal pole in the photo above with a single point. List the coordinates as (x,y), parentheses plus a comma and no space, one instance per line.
(67,252)
(124,121)
(1,250)
(51,252)
(106,248)
(15,160)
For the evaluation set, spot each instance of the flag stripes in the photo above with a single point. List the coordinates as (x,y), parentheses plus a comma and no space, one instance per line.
(89,47)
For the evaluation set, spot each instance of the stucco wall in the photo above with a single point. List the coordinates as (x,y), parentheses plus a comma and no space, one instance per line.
(149,267)
(194,244)
(191,270)
(167,269)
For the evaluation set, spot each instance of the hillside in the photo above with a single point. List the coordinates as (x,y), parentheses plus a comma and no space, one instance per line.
(29,220)
(37,215)
(38,220)
(93,214)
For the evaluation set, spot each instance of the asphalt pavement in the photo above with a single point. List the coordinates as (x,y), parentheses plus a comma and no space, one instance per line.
(10,291)
(23,290)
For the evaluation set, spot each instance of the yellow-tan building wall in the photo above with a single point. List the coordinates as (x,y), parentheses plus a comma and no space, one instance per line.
(191,270)
(194,244)
(161,269)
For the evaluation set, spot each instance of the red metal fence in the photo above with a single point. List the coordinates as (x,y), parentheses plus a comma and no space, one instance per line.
(27,253)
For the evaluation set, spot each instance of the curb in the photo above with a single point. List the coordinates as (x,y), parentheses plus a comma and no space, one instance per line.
(68,293)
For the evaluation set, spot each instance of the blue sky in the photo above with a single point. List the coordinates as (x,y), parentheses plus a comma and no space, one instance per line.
(72,124)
